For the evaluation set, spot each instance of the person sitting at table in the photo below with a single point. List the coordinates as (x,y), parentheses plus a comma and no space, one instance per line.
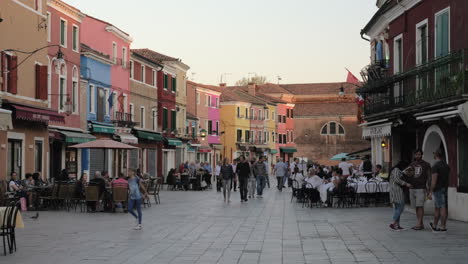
(64,176)
(28,185)
(330,184)
(106,177)
(81,186)
(15,187)
(298,177)
(99,181)
(313,180)
(120,182)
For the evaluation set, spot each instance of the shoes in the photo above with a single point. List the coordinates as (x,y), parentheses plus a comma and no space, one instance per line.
(137,227)
(417,228)
(242,201)
(250,196)
(401,228)
(246,200)
(393,227)
(259,196)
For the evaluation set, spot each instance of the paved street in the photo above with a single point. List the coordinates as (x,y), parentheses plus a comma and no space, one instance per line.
(196,227)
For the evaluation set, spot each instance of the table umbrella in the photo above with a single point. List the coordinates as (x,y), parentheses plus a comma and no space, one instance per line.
(341,156)
(103,144)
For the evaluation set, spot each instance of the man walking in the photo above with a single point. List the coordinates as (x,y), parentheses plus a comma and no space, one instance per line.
(280,172)
(260,172)
(438,191)
(234,169)
(243,172)
(226,174)
(422,171)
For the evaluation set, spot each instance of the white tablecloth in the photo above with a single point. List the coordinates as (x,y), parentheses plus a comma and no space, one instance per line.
(371,187)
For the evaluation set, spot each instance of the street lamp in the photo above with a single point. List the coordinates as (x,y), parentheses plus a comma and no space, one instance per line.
(59,60)
(383,144)
(203,134)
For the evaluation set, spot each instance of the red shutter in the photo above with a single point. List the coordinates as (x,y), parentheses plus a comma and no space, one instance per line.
(41,82)
(169,82)
(12,74)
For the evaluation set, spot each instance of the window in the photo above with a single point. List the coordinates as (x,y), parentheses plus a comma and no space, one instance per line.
(284,139)
(165,81)
(132,111)
(62,87)
(142,117)
(125,103)
(198,99)
(75,38)
(238,111)
(154,78)
(173,120)
(292,136)
(217,102)
(63,33)
(252,113)
(48,26)
(124,57)
(398,66)
(154,119)
(208,100)
(210,127)
(143,73)
(114,52)
(38,159)
(332,128)
(287,112)
(92,99)
(279,119)
(239,135)
(259,114)
(287,136)
(292,113)
(106,97)
(41,82)
(442,33)
(247,135)
(267,114)
(284,119)
(131,69)
(265,135)
(280,139)
(246,113)
(75,96)
(165,116)
(174,84)
(421,42)
(217,128)
(272,136)
(260,137)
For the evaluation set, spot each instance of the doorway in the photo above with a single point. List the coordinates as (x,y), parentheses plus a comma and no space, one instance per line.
(434,140)
(15,158)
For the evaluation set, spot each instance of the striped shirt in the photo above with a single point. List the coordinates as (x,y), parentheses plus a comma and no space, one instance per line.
(396,186)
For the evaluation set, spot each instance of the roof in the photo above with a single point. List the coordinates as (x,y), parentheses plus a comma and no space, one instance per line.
(206,86)
(271,88)
(318,88)
(191,116)
(153,55)
(239,95)
(259,94)
(107,23)
(86,48)
(317,109)
(382,10)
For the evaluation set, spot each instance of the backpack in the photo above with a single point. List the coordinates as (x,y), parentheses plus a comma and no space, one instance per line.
(367,166)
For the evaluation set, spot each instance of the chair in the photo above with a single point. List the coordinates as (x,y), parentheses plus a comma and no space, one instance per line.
(119,195)
(371,193)
(92,193)
(381,196)
(157,188)
(295,188)
(146,201)
(52,197)
(8,227)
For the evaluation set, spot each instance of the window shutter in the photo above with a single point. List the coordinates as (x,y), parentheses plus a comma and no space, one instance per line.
(41,82)
(12,74)
(174,84)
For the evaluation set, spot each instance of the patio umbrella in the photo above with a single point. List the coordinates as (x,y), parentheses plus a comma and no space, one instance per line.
(103,144)
(340,156)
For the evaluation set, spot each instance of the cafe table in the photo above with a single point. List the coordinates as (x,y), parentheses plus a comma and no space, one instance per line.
(19,218)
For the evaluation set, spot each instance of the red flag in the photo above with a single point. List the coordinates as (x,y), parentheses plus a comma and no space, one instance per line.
(351,78)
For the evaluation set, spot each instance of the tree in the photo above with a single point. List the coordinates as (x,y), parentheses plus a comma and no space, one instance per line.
(257,79)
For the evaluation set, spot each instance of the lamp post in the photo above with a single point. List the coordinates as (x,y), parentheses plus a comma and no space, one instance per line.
(58,61)
(203,134)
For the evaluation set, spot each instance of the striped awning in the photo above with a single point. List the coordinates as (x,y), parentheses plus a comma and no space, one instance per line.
(37,114)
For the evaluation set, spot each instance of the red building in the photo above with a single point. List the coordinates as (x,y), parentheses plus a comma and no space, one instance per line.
(416,87)
(64,23)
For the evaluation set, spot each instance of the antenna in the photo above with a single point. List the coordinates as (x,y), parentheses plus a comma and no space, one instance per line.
(279,78)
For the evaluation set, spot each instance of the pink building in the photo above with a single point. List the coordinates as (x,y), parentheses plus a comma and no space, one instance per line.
(285,131)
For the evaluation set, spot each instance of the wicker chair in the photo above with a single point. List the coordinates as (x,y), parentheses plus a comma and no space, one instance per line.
(119,195)
(92,193)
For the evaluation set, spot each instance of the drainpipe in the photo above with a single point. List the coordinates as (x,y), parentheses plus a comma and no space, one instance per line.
(362,36)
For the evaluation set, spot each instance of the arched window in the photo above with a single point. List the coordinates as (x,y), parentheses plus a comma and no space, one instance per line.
(332,128)
(62,86)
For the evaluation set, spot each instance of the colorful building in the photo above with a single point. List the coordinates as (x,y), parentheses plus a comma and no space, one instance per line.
(64,23)
(25,112)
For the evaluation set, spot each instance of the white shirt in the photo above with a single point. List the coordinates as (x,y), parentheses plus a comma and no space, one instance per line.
(314,181)
(13,184)
(299,178)
(292,166)
(344,166)
(217,170)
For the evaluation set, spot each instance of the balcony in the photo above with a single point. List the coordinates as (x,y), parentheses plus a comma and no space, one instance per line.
(123,119)
(441,81)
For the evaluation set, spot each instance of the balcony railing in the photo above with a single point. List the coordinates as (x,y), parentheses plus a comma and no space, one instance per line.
(434,82)
(124,119)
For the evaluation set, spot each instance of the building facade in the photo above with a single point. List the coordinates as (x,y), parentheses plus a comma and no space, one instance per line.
(415,87)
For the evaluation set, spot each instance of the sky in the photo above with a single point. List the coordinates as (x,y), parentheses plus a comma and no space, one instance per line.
(302,41)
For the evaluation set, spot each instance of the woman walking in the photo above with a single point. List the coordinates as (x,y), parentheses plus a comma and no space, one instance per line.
(135,197)
(396,192)
(252,184)
(227,175)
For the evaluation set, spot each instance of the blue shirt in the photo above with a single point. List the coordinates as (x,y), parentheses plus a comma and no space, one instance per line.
(207,168)
(134,188)
(281,169)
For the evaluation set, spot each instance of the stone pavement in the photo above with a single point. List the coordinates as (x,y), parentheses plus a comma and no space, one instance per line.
(196,227)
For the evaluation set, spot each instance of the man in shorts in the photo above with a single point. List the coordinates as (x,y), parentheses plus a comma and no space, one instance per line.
(438,192)
(422,172)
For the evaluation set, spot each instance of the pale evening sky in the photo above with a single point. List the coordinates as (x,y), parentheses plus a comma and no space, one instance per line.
(300,40)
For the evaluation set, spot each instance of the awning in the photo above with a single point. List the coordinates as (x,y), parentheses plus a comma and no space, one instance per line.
(173,142)
(288,149)
(195,145)
(77,137)
(102,128)
(361,152)
(273,151)
(151,136)
(191,149)
(127,138)
(381,130)
(37,114)
(217,146)
(5,120)
(204,149)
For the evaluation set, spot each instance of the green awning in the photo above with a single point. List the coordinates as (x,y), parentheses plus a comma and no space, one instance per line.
(149,135)
(173,142)
(77,137)
(273,151)
(106,129)
(288,149)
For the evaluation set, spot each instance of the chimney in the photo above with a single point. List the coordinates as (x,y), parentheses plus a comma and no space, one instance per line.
(251,87)
(222,85)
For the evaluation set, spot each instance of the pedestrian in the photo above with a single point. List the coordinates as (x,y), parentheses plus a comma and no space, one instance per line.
(268,173)
(135,197)
(397,197)
(234,169)
(292,167)
(345,167)
(252,181)
(280,173)
(218,179)
(243,172)
(422,172)
(227,174)
(438,191)
(260,172)
(366,167)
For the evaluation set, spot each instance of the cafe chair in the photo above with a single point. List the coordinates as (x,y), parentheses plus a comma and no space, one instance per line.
(119,195)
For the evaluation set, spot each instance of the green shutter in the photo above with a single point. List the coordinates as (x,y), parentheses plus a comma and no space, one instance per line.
(164,119)
(62,32)
(173,120)
(442,34)
(174,84)
(165,81)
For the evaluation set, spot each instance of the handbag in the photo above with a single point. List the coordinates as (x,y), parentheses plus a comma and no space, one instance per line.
(203,184)
(23,204)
